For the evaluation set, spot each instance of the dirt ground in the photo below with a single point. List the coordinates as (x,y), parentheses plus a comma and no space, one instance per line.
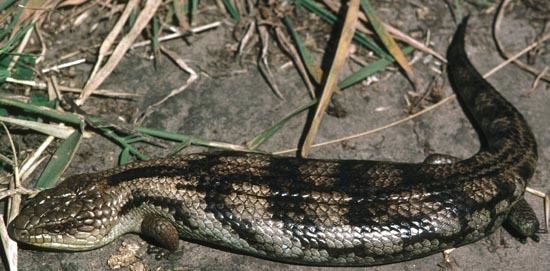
(235,106)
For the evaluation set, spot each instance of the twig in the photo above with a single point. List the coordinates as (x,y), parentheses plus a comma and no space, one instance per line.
(18,191)
(56,68)
(98,92)
(20,48)
(346,35)
(193,76)
(179,34)
(285,43)
(36,154)
(14,204)
(546,203)
(45,128)
(110,39)
(246,38)
(505,54)
(335,6)
(43,46)
(102,92)
(141,21)
(172,36)
(53,89)
(32,168)
(10,246)
(389,42)
(519,54)
(263,63)
(537,81)
(395,123)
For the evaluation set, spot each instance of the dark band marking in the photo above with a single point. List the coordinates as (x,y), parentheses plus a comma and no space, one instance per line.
(143,197)
(145,172)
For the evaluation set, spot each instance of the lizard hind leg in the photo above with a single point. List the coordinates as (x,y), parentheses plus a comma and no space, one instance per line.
(522,222)
(161,231)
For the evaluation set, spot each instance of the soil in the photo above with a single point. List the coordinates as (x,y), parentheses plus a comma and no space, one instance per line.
(229,106)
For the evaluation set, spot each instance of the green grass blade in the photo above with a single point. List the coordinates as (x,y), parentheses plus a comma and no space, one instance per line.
(22,69)
(59,161)
(40,99)
(155,34)
(193,8)
(268,133)
(232,10)
(164,134)
(131,20)
(390,44)
(6,4)
(45,128)
(134,139)
(331,18)
(369,70)
(4,74)
(15,18)
(179,8)
(124,157)
(15,39)
(122,142)
(180,147)
(66,118)
(194,140)
(311,65)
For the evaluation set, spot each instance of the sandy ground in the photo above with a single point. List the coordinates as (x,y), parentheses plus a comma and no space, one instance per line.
(235,107)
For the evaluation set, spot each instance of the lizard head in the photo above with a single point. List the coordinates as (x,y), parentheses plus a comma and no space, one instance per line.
(73,216)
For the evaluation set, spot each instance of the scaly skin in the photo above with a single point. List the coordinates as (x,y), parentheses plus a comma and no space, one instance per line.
(304,211)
